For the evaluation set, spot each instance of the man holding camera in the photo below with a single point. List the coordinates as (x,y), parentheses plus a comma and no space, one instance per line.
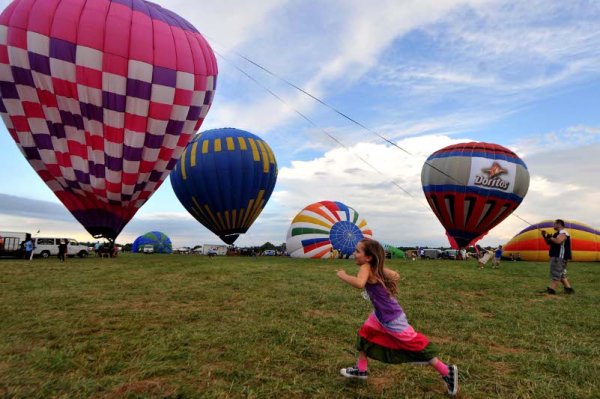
(560,253)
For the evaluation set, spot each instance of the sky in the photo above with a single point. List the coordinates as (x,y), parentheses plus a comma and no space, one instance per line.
(422,74)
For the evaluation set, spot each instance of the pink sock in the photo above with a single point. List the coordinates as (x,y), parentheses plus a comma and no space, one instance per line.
(362,364)
(441,368)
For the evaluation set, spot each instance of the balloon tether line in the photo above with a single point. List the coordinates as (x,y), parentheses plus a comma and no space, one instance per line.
(305,92)
(306,118)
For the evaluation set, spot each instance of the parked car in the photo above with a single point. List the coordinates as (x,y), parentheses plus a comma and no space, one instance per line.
(182,250)
(212,252)
(269,252)
(48,246)
(432,253)
(450,254)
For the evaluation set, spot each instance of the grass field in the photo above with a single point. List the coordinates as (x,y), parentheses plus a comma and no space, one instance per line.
(169,326)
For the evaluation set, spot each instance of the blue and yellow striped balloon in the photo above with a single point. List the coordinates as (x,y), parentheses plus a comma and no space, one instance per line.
(224,179)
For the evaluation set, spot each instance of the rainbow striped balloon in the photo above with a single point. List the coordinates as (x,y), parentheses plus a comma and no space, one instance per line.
(529,244)
(323,226)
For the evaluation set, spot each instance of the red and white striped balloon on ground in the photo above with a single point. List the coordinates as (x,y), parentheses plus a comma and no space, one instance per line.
(102,97)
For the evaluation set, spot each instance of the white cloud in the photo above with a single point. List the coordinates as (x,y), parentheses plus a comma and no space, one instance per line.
(506,51)
(573,136)
(229,23)
(334,50)
(399,218)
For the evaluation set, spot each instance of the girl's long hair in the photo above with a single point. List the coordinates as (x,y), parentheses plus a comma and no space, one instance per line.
(374,249)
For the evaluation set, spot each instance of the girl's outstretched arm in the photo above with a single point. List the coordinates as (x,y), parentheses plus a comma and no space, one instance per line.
(361,278)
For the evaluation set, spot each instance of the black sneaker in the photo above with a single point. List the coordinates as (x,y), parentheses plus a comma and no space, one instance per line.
(353,372)
(569,290)
(451,380)
(548,291)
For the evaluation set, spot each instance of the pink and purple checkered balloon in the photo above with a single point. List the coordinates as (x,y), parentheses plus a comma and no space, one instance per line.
(102,97)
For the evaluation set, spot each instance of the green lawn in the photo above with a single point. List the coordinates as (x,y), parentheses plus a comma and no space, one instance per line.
(177,326)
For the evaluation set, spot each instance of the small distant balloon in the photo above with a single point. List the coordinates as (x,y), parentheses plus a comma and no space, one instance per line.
(472,187)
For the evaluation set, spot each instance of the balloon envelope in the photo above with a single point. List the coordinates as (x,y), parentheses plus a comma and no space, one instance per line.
(395,253)
(323,226)
(224,179)
(102,97)
(472,187)
(529,244)
(159,241)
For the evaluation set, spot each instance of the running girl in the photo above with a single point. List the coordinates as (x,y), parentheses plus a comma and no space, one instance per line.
(386,335)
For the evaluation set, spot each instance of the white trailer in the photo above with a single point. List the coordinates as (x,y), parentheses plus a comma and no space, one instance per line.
(11,243)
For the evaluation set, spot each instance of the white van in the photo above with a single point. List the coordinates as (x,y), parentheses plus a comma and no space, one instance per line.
(431,253)
(148,249)
(48,246)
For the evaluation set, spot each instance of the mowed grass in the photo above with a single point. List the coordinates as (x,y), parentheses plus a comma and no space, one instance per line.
(176,326)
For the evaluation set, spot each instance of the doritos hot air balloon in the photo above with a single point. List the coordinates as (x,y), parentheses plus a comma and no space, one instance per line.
(224,179)
(472,187)
(102,97)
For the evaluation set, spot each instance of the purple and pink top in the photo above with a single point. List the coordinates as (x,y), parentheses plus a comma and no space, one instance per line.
(387,308)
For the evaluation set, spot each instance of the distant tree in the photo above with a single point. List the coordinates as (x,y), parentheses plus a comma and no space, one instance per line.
(127,247)
(267,245)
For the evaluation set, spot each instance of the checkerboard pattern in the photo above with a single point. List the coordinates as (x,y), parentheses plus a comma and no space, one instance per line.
(102,97)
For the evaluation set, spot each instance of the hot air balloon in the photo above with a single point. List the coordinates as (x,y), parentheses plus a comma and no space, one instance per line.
(323,226)
(394,252)
(224,179)
(160,242)
(472,187)
(529,244)
(102,97)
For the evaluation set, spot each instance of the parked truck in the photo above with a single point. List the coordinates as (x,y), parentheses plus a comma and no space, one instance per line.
(214,249)
(12,243)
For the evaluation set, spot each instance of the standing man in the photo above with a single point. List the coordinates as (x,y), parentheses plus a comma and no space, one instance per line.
(63,250)
(560,253)
(497,257)
(28,249)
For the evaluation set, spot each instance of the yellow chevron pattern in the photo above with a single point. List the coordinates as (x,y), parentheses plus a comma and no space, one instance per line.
(242,218)
(261,152)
